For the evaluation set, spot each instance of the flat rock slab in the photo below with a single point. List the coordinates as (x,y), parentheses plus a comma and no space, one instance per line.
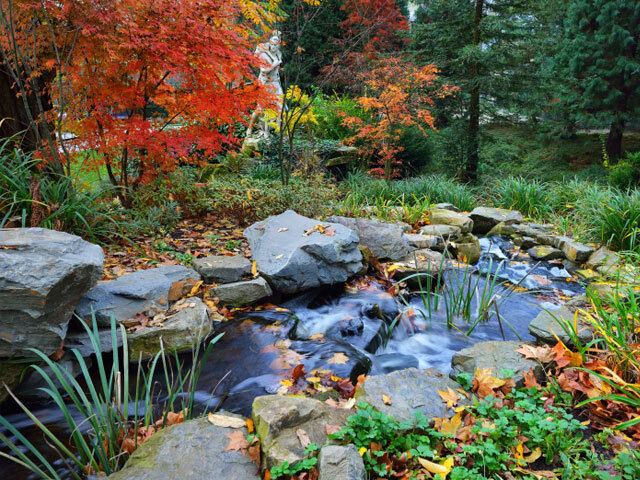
(240,294)
(485,218)
(385,240)
(410,390)
(447,217)
(278,421)
(144,291)
(182,330)
(445,231)
(193,450)
(222,268)
(338,462)
(293,257)
(576,251)
(545,325)
(419,241)
(545,252)
(497,355)
(43,276)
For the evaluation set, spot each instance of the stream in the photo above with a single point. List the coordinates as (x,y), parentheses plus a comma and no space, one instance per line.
(346,329)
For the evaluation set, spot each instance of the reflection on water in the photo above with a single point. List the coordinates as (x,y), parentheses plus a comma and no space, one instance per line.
(260,348)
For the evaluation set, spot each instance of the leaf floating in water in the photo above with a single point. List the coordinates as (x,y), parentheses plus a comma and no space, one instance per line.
(338,357)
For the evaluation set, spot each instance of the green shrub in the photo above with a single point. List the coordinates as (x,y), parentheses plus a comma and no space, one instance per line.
(329,110)
(417,150)
(626,173)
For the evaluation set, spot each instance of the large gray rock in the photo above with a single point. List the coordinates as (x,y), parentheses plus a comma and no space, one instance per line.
(222,268)
(82,342)
(497,355)
(419,242)
(409,390)
(385,240)
(43,275)
(193,450)
(446,231)
(546,326)
(181,330)
(144,291)
(425,262)
(447,217)
(338,462)
(293,261)
(485,218)
(576,251)
(603,260)
(239,294)
(279,419)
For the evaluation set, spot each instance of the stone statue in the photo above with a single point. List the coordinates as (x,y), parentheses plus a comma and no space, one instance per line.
(270,57)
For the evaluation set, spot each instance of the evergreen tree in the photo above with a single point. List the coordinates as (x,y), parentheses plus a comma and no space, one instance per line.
(600,60)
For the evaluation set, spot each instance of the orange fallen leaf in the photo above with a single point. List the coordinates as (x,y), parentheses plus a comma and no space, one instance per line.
(450,397)
(386,399)
(250,426)
(237,442)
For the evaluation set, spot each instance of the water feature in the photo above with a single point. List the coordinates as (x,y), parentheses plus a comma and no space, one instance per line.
(346,329)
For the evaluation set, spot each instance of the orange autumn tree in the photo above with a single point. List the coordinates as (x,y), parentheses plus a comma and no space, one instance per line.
(399,95)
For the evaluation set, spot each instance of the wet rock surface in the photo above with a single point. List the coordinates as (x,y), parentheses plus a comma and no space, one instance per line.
(385,240)
(278,421)
(193,450)
(497,355)
(145,291)
(409,390)
(182,330)
(293,258)
(222,268)
(240,294)
(43,276)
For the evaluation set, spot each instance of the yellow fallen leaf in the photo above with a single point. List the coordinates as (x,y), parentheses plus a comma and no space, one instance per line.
(435,468)
(533,456)
(450,397)
(195,288)
(386,399)
(250,425)
(362,450)
(393,268)
(254,268)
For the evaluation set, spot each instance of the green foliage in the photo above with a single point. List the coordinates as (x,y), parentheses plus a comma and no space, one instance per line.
(63,206)
(287,469)
(107,405)
(330,111)
(248,199)
(530,197)
(626,173)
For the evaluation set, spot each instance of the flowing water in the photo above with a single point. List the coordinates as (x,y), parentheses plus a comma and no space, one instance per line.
(347,329)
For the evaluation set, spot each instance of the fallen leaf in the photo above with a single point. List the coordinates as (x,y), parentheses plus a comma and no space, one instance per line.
(338,357)
(298,372)
(330,232)
(250,426)
(386,399)
(254,268)
(450,397)
(237,442)
(303,436)
(484,383)
(533,456)
(282,229)
(543,353)
(278,257)
(435,468)
(530,379)
(225,421)
(329,429)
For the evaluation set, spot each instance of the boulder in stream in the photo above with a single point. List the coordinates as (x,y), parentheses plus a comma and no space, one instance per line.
(497,355)
(279,420)
(439,216)
(294,254)
(43,275)
(340,462)
(145,291)
(467,249)
(409,391)
(485,218)
(549,325)
(193,450)
(240,294)
(222,268)
(385,240)
(182,329)
(545,252)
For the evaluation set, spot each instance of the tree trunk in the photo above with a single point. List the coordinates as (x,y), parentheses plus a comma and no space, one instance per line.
(614,140)
(471,164)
